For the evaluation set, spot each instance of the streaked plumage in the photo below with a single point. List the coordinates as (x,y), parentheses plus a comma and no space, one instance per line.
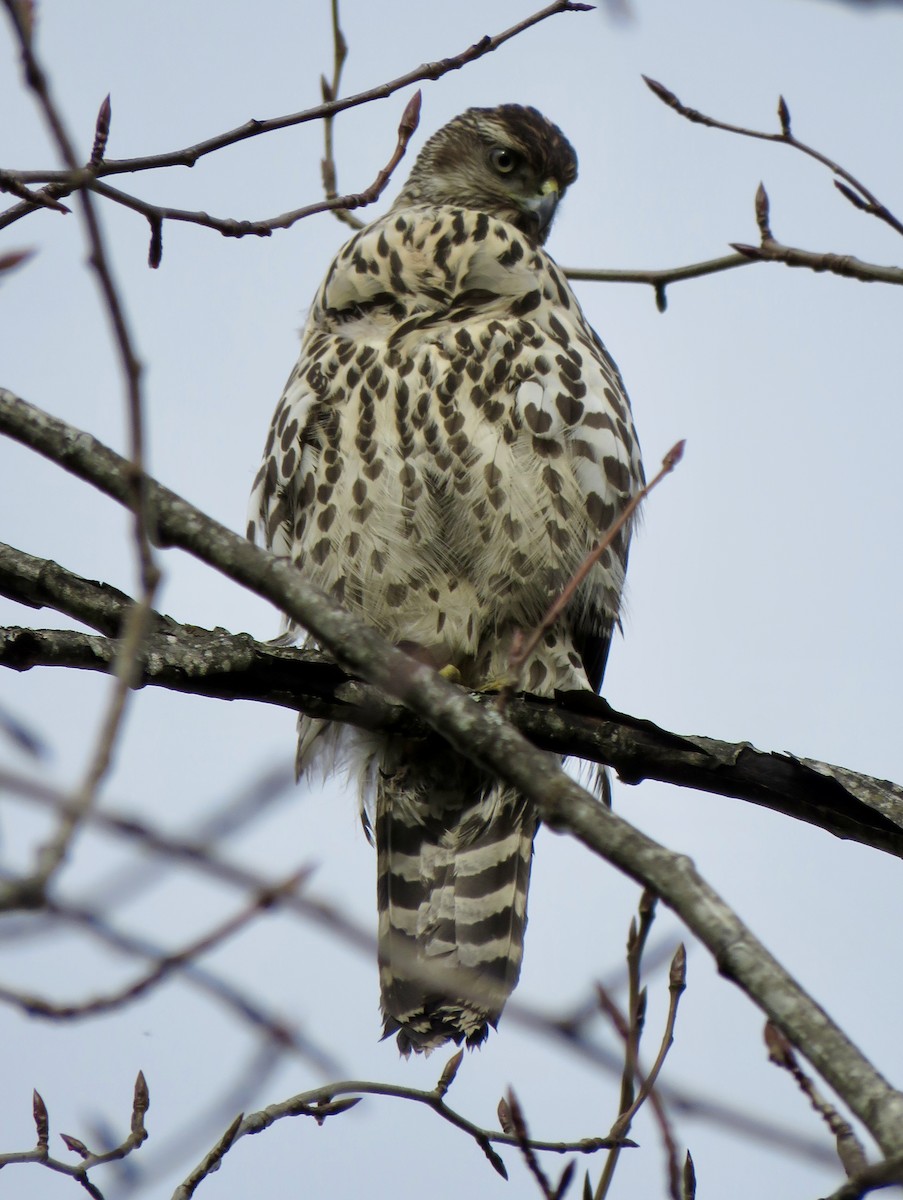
(452,441)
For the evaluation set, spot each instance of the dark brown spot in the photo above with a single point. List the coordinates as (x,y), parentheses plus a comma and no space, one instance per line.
(396,593)
(538,420)
(616,473)
(326,517)
(571,409)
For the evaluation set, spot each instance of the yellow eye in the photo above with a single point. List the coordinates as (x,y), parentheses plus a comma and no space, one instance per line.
(503,159)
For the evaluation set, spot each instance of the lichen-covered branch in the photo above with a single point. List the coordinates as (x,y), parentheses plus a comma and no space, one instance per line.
(227,666)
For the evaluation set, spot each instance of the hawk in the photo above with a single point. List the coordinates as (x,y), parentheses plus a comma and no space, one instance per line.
(452,441)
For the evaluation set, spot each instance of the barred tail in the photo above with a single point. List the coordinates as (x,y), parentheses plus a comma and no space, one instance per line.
(453,868)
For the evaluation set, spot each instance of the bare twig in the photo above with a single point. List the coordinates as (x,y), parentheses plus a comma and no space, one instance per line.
(857,193)
(79,1171)
(156,214)
(630,1030)
(195,853)
(522,650)
(846,265)
(850,1150)
(62,183)
(330,91)
(235,666)
(335,1098)
(513,1121)
(486,738)
(165,965)
(242,1004)
(53,854)
(659,280)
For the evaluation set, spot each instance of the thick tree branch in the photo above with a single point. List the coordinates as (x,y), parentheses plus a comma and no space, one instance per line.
(227,666)
(485,736)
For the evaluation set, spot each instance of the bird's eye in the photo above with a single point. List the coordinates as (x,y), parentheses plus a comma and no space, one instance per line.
(503,159)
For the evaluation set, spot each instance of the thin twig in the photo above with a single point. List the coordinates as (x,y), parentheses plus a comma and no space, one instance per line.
(846,265)
(514,1123)
(53,854)
(165,965)
(659,279)
(624,1029)
(630,1030)
(156,214)
(79,1171)
(330,90)
(196,854)
(62,183)
(326,1101)
(850,1150)
(861,197)
(240,1003)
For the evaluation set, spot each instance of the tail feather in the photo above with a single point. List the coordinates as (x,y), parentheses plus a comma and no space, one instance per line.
(453,867)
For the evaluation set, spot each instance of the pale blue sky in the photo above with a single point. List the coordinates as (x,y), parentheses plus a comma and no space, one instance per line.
(764,588)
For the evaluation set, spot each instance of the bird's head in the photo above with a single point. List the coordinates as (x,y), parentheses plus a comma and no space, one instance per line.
(508,161)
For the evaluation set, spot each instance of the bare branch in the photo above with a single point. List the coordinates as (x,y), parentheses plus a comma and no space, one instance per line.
(326,1101)
(850,1150)
(659,280)
(864,199)
(79,1171)
(236,667)
(630,1031)
(156,214)
(62,183)
(195,853)
(330,91)
(164,966)
(837,264)
(52,855)
(485,737)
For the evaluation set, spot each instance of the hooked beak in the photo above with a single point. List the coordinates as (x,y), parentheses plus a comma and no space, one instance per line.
(542,206)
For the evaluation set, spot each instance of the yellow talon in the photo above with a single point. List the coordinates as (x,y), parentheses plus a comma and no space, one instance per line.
(499,684)
(451,673)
